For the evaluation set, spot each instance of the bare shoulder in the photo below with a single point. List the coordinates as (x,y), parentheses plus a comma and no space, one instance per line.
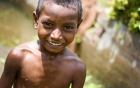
(76,61)
(13,64)
(17,53)
(78,69)
(14,55)
(13,60)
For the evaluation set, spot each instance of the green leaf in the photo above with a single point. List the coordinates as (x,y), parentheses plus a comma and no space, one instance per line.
(135,25)
(78,38)
(139,27)
(2,60)
(139,9)
(121,37)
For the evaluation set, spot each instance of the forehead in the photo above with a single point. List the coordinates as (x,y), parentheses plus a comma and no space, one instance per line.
(68,5)
(59,11)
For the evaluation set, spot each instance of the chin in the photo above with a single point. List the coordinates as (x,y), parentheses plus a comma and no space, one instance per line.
(55,51)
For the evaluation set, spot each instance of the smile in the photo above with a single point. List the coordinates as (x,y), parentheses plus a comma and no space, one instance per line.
(55,44)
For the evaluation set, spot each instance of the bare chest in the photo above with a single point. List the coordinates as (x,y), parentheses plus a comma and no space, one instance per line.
(38,73)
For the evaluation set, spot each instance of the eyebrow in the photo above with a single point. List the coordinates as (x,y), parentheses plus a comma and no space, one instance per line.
(69,23)
(48,20)
(65,23)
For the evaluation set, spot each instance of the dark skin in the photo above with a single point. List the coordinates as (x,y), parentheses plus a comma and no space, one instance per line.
(47,62)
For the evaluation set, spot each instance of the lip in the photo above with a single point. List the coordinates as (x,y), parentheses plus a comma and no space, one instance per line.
(54,47)
(54,44)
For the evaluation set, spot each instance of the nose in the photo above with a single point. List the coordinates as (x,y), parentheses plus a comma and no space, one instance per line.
(56,34)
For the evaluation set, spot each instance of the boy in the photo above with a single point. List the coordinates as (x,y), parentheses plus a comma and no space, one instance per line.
(47,62)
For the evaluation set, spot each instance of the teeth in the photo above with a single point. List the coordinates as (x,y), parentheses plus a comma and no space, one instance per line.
(55,44)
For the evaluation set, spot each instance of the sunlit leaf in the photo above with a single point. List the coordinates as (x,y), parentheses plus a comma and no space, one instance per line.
(78,38)
(139,9)
(139,27)
(121,37)
(2,60)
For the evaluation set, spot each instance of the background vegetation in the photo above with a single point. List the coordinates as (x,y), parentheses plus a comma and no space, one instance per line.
(15,21)
(128,12)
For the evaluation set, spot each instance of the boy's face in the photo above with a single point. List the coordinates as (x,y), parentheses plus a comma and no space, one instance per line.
(57,26)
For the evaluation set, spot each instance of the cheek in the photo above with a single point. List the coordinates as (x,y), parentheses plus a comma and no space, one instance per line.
(69,38)
(42,33)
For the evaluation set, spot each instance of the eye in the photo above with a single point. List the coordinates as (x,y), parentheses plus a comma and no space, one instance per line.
(47,24)
(68,28)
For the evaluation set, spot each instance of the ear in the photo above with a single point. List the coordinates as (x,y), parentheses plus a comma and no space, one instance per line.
(35,20)
(79,23)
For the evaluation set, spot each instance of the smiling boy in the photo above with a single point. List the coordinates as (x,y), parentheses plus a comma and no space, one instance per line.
(47,62)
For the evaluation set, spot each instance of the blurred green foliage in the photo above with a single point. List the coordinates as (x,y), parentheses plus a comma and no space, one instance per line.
(9,36)
(121,37)
(92,82)
(78,38)
(128,12)
(2,60)
(14,19)
(89,83)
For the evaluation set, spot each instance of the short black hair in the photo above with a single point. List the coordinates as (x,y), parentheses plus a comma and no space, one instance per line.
(74,4)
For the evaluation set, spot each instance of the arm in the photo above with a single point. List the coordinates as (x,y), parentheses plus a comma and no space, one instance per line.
(88,20)
(79,76)
(10,70)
